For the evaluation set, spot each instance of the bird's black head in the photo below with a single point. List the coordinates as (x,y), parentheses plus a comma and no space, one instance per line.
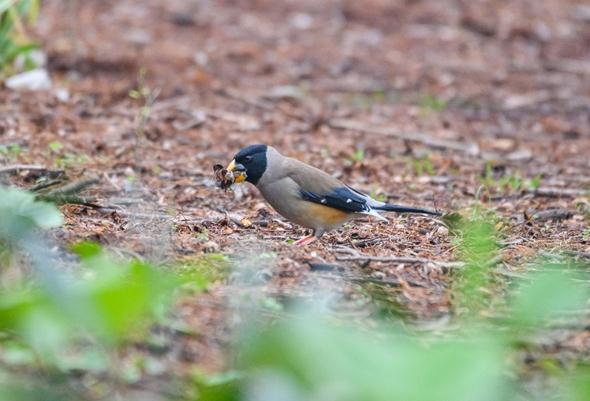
(252,161)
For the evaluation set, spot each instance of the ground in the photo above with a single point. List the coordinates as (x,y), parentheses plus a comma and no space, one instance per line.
(439,104)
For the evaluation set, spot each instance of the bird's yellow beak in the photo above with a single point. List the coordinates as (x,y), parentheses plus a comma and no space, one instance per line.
(238,170)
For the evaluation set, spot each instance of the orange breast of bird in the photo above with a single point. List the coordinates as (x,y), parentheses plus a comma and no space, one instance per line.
(328,216)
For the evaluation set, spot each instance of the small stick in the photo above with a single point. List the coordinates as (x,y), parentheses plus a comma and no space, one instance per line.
(552,192)
(67,194)
(73,188)
(399,259)
(361,280)
(155,216)
(358,256)
(235,95)
(468,148)
(19,167)
(68,200)
(551,214)
(46,184)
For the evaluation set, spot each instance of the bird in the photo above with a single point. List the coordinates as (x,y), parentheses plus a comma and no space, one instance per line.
(306,195)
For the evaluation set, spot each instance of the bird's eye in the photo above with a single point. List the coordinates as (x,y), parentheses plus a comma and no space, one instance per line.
(247,158)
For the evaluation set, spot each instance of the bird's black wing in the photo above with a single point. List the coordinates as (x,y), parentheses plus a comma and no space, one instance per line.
(341,198)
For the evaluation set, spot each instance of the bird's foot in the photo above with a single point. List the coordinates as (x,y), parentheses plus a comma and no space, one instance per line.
(305,240)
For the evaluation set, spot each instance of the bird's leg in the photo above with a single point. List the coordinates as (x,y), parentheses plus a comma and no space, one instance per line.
(316,234)
(305,240)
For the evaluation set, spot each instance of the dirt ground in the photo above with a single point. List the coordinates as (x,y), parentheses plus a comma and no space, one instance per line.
(428,103)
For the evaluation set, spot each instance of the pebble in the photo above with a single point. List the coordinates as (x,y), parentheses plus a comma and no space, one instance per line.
(34,80)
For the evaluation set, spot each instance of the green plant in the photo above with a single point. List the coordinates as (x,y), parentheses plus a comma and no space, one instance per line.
(10,152)
(21,213)
(430,103)
(358,156)
(65,160)
(367,100)
(379,196)
(198,273)
(55,146)
(145,97)
(534,182)
(513,182)
(312,357)
(69,160)
(49,319)
(60,329)
(476,237)
(421,166)
(14,41)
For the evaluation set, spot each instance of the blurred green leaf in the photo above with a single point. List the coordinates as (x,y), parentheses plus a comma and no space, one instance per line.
(20,212)
(86,249)
(578,385)
(549,293)
(112,304)
(431,103)
(31,392)
(477,248)
(55,146)
(14,15)
(122,299)
(219,387)
(351,365)
(89,359)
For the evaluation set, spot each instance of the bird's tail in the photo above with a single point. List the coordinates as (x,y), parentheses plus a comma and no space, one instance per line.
(406,209)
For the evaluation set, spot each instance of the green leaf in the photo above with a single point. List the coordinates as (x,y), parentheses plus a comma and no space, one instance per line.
(15,51)
(113,303)
(351,365)
(55,146)
(20,212)
(578,385)
(220,387)
(86,249)
(5,5)
(551,291)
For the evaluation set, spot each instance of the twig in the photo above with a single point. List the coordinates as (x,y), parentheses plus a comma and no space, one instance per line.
(552,214)
(323,267)
(553,192)
(67,194)
(399,259)
(355,255)
(69,200)
(181,102)
(46,184)
(155,216)
(19,167)
(362,279)
(571,66)
(235,95)
(73,187)
(436,143)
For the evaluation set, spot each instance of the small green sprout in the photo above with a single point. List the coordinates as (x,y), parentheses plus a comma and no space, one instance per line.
(430,103)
